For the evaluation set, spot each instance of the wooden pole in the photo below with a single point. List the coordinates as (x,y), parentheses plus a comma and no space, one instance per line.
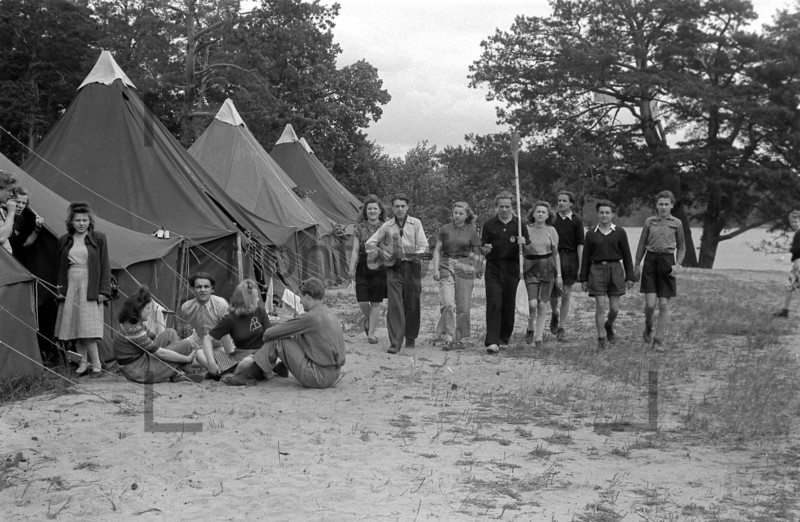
(652,398)
(515,155)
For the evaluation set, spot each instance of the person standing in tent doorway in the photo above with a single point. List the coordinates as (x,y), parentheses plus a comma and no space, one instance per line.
(500,238)
(663,248)
(8,209)
(570,251)
(793,284)
(370,284)
(399,242)
(456,263)
(199,315)
(84,284)
(27,226)
(602,275)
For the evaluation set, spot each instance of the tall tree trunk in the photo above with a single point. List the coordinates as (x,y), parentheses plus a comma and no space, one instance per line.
(712,228)
(679,211)
(713,224)
(189,80)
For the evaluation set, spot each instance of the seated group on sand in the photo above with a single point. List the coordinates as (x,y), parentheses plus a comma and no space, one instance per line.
(235,342)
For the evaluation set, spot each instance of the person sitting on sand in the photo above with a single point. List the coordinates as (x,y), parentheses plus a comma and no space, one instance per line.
(245,322)
(310,346)
(199,315)
(794,274)
(146,360)
(606,245)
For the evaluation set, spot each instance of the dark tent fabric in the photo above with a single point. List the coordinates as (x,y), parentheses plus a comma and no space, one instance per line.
(17,320)
(135,258)
(110,150)
(300,163)
(239,164)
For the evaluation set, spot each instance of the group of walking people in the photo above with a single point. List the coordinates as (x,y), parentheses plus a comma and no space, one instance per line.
(555,252)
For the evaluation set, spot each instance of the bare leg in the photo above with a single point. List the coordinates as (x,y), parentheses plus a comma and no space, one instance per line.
(540,319)
(600,315)
(787,299)
(374,317)
(663,317)
(533,307)
(90,346)
(566,300)
(84,364)
(365,310)
(649,309)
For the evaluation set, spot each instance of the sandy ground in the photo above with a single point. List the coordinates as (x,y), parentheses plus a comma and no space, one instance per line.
(423,435)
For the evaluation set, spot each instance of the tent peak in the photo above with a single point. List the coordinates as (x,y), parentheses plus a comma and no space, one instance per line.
(106,71)
(288,136)
(228,114)
(306,146)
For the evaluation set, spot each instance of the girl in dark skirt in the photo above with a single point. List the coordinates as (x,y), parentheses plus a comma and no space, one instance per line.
(370,284)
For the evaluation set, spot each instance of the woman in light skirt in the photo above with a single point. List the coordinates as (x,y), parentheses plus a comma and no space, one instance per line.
(84,284)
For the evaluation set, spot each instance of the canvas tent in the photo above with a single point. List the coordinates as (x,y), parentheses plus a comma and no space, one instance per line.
(17,320)
(239,164)
(110,150)
(298,160)
(136,258)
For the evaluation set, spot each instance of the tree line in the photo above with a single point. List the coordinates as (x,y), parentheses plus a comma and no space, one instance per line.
(615,99)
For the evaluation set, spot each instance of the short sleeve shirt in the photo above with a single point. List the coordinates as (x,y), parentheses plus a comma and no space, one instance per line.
(245,330)
(364,231)
(458,241)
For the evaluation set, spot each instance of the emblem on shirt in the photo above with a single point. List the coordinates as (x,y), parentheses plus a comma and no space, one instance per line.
(513,239)
(255,324)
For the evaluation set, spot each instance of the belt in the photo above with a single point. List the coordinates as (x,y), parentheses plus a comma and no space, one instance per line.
(605,262)
(660,253)
(537,256)
(463,256)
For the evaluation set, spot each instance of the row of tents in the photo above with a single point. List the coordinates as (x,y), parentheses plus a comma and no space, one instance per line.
(225,206)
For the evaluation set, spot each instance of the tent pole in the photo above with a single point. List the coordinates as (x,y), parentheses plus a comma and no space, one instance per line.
(239,262)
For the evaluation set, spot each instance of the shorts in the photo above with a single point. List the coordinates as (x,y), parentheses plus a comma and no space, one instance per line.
(370,284)
(606,279)
(657,275)
(539,290)
(569,267)
(539,278)
(793,283)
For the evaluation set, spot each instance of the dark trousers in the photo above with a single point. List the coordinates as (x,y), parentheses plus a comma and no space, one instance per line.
(404,285)
(502,279)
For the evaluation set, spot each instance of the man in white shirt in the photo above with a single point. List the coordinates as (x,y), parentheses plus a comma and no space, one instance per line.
(201,314)
(398,240)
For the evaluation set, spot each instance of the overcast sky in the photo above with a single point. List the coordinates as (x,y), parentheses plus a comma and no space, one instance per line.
(422,50)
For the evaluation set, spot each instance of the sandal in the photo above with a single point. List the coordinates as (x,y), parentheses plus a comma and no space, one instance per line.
(372,340)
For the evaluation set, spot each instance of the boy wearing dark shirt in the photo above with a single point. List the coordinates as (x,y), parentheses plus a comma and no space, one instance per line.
(794,274)
(570,252)
(501,241)
(602,275)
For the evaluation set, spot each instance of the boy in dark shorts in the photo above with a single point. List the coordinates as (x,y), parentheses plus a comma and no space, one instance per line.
(606,270)
(570,252)
(663,248)
(793,284)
